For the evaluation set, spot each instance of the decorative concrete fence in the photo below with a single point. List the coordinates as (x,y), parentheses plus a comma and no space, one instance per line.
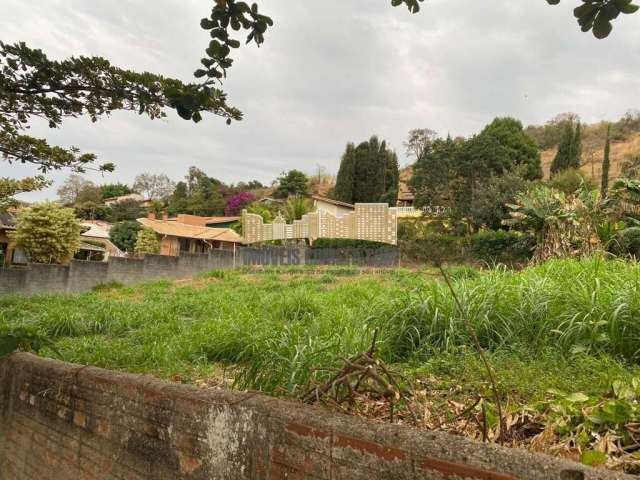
(82,276)
(69,422)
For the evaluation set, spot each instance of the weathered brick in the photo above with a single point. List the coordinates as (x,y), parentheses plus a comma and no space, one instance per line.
(65,422)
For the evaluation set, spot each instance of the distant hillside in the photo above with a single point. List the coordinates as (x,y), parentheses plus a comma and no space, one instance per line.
(625,155)
(625,148)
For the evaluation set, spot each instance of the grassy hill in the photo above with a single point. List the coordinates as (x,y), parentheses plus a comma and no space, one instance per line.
(625,154)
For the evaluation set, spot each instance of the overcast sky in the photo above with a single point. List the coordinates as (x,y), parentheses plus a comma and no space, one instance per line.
(330,72)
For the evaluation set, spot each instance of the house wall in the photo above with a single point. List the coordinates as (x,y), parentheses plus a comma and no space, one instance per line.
(69,422)
(335,210)
(169,246)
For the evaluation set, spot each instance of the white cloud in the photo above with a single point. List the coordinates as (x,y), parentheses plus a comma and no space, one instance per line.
(330,72)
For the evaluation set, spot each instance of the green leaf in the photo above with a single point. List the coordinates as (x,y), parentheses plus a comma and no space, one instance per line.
(577,397)
(602,26)
(593,458)
(629,8)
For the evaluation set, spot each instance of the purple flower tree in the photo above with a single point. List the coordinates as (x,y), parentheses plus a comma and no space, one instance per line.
(237,202)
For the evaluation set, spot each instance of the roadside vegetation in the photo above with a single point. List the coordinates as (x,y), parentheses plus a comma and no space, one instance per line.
(563,339)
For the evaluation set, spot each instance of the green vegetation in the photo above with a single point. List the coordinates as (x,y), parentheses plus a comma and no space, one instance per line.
(292,183)
(368,173)
(559,335)
(570,150)
(276,327)
(147,242)
(125,234)
(48,232)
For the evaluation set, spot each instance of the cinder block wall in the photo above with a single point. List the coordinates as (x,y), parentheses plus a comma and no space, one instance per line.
(68,422)
(82,276)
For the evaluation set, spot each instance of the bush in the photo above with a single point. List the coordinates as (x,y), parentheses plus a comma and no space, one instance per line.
(346,243)
(436,247)
(48,232)
(147,242)
(124,235)
(570,181)
(499,246)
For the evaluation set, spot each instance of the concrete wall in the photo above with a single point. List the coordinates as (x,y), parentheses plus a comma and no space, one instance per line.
(68,422)
(81,276)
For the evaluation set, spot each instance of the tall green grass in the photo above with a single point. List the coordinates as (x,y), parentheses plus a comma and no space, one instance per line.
(279,330)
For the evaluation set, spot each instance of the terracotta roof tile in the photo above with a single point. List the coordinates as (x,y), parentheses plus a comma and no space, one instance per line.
(176,229)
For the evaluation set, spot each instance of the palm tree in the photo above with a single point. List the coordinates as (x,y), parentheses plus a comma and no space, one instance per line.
(296,207)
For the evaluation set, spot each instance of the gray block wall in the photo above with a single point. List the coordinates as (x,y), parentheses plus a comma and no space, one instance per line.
(81,276)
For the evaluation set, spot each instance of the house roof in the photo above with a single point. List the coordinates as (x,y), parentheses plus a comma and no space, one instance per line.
(203,221)
(97,229)
(333,202)
(91,248)
(130,197)
(177,229)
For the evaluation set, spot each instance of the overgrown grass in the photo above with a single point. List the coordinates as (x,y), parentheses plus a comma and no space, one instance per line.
(561,325)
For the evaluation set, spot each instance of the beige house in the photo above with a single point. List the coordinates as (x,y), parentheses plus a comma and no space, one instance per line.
(99,231)
(177,237)
(333,207)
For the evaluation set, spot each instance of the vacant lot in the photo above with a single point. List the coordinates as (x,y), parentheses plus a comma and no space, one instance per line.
(564,339)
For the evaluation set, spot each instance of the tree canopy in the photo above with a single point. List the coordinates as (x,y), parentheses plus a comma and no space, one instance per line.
(48,232)
(368,173)
(294,182)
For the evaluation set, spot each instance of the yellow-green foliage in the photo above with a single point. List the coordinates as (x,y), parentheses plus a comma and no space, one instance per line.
(147,242)
(49,232)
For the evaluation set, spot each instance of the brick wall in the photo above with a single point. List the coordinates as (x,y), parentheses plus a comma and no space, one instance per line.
(66,422)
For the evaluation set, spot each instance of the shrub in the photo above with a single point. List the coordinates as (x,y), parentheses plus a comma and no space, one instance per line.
(499,246)
(436,247)
(347,243)
(49,232)
(147,242)
(124,235)
(570,181)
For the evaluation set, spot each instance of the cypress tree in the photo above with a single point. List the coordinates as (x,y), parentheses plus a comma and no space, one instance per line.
(391,179)
(605,165)
(346,175)
(576,150)
(563,158)
(370,169)
(368,173)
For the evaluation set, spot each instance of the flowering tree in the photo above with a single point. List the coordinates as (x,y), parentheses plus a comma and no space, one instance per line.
(236,203)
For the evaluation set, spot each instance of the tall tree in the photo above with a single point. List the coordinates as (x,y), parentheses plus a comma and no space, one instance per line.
(604,186)
(569,154)
(563,158)
(391,179)
(513,148)
(368,173)
(111,190)
(153,186)
(419,141)
(434,171)
(69,191)
(577,147)
(343,190)
(294,182)
(48,232)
